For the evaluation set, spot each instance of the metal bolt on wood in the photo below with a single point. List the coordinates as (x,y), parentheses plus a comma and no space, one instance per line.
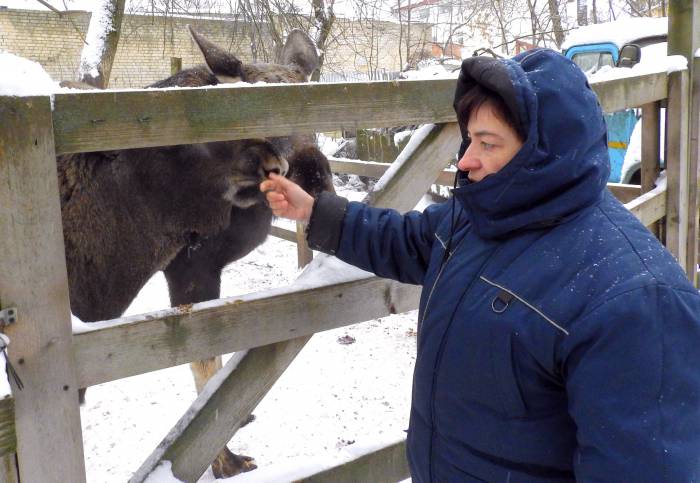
(8,316)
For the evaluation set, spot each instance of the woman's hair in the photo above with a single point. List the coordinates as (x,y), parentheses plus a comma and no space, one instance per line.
(476,97)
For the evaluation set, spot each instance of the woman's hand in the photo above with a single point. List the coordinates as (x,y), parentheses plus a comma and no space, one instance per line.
(287,199)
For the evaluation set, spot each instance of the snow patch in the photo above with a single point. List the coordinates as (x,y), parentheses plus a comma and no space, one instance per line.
(100,26)
(78,325)
(162,474)
(24,77)
(295,470)
(436,71)
(400,136)
(666,63)
(326,144)
(5,389)
(618,32)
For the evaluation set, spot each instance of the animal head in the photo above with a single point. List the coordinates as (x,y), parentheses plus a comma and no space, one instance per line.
(297,60)
(237,168)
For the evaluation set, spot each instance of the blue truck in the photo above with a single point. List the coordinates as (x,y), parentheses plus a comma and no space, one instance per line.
(612,45)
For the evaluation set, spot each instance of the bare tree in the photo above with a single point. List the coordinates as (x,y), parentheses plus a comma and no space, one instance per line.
(101,42)
(557,28)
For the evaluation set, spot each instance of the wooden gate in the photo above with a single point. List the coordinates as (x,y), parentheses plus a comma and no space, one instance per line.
(42,424)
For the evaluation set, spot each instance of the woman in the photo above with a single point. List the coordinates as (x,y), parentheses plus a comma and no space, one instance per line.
(557,339)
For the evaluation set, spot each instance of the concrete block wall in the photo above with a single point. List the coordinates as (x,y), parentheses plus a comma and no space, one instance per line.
(147,43)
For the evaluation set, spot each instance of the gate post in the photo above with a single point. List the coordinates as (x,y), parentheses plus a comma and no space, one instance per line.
(684,39)
(33,280)
(677,166)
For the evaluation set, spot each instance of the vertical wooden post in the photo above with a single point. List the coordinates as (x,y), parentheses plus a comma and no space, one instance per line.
(304,253)
(33,279)
(677,166)
(175,65)
(684,39)
(693,243)
(8,469)
(650,145)
(651,141)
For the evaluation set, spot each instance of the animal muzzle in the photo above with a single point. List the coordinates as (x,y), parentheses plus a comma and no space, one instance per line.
(275,164)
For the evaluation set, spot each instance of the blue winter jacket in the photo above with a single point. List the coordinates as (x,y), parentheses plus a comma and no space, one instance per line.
(558,340)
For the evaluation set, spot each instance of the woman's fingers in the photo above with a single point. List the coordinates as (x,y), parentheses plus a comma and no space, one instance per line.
(286,198)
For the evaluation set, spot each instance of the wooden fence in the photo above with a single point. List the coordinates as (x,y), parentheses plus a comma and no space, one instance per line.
(41,424)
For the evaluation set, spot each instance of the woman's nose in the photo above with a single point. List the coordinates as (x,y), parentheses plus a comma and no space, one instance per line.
(468,160)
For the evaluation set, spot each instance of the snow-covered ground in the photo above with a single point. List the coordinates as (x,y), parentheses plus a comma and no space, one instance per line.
(334,399)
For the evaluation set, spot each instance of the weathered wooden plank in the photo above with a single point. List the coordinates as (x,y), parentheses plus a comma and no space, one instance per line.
(677,166)
(417,167)
(446,178)
(693,242)
(8,469)
(304,253)
(34,279)
(8,442)
(386,465)
(226,401)
(651,139)
(8,439)
(283,233)
(624,192)
(649,207)
(154,341)
(635,91)
(94,121)
(651,158)
(371,169)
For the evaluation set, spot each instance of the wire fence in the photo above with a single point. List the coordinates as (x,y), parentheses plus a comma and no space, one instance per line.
(379,74)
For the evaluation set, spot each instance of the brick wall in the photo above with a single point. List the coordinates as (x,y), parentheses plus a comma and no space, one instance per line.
(147,43)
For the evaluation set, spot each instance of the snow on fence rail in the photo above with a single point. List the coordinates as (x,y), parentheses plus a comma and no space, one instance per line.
(54,362)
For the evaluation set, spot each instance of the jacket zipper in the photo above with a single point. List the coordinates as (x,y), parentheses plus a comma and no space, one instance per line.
(441,348)
(437,279)
(420,324)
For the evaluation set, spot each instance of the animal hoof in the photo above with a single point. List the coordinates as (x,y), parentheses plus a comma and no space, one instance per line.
(228,464)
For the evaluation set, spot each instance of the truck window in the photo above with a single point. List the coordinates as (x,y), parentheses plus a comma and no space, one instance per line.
(591,62)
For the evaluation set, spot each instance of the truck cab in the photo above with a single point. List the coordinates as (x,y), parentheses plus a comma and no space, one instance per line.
(619,44)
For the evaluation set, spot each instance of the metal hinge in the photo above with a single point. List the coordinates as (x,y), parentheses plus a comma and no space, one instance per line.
(8,316)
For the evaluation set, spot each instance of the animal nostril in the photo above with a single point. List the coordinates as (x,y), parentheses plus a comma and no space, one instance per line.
(280,167)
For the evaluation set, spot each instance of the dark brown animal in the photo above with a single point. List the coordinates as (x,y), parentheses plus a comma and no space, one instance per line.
(188,210)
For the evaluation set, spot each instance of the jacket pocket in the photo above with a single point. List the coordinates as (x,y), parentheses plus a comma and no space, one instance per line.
(522,338)
(503,365)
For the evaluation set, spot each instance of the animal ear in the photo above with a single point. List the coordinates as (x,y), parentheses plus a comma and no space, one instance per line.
(218,61)
(299,49)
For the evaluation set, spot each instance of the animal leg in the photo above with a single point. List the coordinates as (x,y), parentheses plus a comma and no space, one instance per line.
(226,464)
(195,277)
(204,370)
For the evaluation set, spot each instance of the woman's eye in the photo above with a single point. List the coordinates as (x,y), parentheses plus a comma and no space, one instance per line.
(487,146)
